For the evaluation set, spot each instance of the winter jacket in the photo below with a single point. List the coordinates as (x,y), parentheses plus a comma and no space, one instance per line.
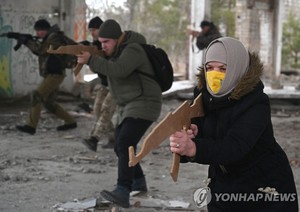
(236,139)
(136,94)
(49,63)
(203,40)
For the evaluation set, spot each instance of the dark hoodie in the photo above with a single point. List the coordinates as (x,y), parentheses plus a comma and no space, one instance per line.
(236,139)
(49,63)
(203,40)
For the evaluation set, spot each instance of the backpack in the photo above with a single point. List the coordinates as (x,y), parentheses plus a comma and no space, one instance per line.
(161,65)
(69,61)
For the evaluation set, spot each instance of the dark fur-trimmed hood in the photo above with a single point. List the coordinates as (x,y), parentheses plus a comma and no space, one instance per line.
(248,81)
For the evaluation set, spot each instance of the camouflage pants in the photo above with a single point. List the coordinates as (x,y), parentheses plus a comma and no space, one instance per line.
(45,95)
(104,108)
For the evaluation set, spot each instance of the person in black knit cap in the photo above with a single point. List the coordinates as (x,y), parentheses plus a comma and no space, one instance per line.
(52,70)
(104,105)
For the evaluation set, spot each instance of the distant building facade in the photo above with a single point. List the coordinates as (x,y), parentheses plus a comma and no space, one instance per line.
(259,26)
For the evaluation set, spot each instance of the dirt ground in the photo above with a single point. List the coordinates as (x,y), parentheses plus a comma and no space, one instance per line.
(39,172)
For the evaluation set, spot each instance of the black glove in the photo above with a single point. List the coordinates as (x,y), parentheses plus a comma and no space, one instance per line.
(85,42)
(24,38)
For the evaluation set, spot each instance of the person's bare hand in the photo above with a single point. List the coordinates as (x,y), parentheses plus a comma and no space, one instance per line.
(195,33)
(182,144)
(194,128)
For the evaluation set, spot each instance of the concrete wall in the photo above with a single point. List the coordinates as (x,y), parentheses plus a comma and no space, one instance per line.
(292,6)
(255,28)
(195,59)
(19,73)
(259,26)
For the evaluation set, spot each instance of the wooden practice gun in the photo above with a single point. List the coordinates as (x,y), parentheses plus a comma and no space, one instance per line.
(75,50)
(175,121)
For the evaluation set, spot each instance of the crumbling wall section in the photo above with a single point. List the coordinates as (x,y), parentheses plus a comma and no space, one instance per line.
(19,73)
(255,28)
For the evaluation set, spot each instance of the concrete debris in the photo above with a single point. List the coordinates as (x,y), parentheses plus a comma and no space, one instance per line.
(81,114)
(77,206)
(151,202)
(276,85)
(4,177)
(136,202)
(69,137)
(87,158)
(284,92)
(88,171)
(178,204)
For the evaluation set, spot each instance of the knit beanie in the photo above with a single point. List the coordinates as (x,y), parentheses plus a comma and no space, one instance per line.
(42,24)
(95,23)
(110,29)
(233,53)
(205,23)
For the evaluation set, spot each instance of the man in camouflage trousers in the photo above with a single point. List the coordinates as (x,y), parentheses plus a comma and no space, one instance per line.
(52,69)
(104,105)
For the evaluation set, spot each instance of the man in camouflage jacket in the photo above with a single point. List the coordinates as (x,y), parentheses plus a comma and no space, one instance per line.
(52,69)
(104,105)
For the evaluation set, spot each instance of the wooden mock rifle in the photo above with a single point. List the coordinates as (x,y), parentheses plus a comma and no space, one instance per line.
(75,50)
(174,121)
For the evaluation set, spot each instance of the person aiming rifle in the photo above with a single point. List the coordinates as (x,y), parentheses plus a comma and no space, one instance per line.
(52,70)
(104,105)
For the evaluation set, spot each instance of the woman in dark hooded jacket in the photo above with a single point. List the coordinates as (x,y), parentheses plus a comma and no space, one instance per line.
(248,170)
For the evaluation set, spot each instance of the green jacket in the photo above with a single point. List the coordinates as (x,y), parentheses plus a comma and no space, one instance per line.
(136,94)
(49,63)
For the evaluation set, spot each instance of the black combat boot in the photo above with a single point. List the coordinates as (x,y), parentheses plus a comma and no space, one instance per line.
(26,128)
(91,143)
(67,127)
(119,196)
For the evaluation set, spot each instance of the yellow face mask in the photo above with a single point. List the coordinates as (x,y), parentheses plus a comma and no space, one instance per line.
(214,80)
